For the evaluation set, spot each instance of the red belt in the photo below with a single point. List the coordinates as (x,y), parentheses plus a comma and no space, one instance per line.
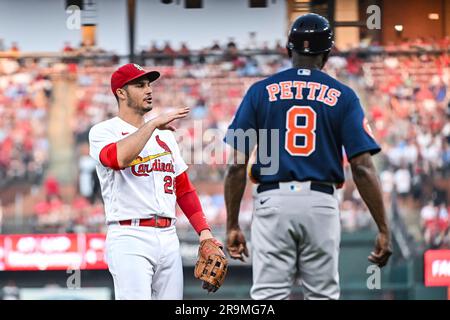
(157,222)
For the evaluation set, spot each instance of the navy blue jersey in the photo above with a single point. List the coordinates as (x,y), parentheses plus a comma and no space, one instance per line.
(317,118)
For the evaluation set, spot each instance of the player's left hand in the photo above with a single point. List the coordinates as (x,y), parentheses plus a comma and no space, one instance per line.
(236,244)
(211,266)
(383,250)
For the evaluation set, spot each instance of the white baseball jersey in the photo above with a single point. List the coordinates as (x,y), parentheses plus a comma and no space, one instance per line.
(145,188)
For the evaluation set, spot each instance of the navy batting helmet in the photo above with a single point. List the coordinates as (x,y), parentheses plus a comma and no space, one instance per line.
(310,34)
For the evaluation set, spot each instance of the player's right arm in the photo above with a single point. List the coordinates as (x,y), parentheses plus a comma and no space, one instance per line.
(366,180)
(236,174)
(360,145)
(235,181)
(115,154)
(130,147)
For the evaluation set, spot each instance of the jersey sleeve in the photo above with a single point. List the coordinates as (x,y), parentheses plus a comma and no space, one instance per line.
(356,135)
(179,164)
(242,132)
(99,137)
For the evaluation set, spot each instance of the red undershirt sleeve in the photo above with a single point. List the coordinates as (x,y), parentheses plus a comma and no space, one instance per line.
(108,156)
(189,202)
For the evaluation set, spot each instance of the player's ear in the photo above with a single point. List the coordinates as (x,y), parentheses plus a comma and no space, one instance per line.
(325,58)
(121,94)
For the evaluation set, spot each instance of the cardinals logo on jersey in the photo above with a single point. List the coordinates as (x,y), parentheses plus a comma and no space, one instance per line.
(139,167)
(162,144)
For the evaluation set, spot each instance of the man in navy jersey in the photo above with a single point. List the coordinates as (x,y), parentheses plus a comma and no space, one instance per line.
(295,229)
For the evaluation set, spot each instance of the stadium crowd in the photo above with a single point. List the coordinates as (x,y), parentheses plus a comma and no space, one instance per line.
(25,93)
(405,96)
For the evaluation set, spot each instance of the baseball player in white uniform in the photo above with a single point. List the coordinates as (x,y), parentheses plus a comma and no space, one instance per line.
(142,177)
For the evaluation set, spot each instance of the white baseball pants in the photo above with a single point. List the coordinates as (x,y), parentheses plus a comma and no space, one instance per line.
(145,262)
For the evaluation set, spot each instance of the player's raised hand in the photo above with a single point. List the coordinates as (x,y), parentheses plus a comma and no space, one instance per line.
(383,250)
(236,245)
(162,122)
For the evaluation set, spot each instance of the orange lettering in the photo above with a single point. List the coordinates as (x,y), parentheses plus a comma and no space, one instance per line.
(323,90)
(286,92)
(299,85)
(273,89)
(332,96)
(312,86)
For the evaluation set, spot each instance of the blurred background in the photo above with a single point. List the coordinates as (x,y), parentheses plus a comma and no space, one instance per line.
(56,59)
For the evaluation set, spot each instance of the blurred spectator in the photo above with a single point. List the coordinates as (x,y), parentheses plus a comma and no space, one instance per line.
(52,189)
(402,179)
(252,43)
(67,47)
(154,48)
(167,50)
(279,48)
(86,167)
(435,223)
(354,216)
(215,47)
(52,215)
(10,291)
(169,54)
(387,181)
(185,53)
(231,52)
(15,47)
(184,50)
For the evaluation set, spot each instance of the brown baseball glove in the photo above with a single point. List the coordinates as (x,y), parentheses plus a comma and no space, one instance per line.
(211,266)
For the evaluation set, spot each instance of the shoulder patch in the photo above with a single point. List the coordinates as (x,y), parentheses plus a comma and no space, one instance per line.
(367,128)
